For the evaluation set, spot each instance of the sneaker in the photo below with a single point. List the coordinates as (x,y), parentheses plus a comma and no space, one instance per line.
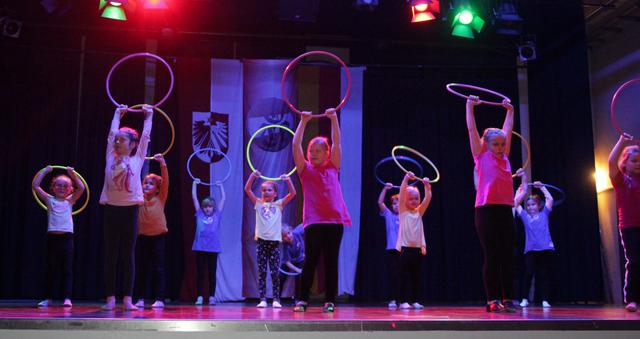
(140,303)
(212,301)
(631,307)
(157,304)
(524,303)
(109,306)
(510,307)
(128,306)
(199,300)
(67,303)
(328,308)
(301,306)
(494,306)
(545,304)
(276,304)
(405,306)
(392,305)
(262,304)
(44,303)
(417,306)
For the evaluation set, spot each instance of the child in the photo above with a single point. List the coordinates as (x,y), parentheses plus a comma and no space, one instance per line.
(59,229)
(411,241)
(268,233)
(539,248)
(324,212)
(152,234)
(624,173)
(206,242)
(494,201)
(292,255)
(121,196)
(392,223)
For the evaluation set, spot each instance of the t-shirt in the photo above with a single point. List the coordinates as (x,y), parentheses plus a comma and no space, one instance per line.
(269,220)
(294,252)
(411,230)
(151,218)
(207,236)
(495,184)
(627,190)
(536,228)
(59,215)
(323,201)
(392,223)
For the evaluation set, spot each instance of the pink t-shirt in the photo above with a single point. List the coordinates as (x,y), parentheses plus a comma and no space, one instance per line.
(495,184)
(627,190)
(323,202)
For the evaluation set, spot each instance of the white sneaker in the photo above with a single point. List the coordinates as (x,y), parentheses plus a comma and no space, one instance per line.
(212,301)
(405,306)
(44,303)
(109,306)
(157,304)
(392,305)
(631,307)
(67,303)
(276,304)
(417,306)
(262,304)
(545,304)
(199,300)
(140,303)
(524,303)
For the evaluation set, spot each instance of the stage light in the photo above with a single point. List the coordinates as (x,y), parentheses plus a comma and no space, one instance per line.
(601,176)
(155,4)
(424,10)
(465,22)
(113,9)
(506,20)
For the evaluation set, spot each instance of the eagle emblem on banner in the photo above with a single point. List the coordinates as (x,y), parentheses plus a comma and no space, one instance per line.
(210,130)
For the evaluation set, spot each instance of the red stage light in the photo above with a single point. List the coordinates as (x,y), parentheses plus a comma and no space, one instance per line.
(155,4)
(423,10)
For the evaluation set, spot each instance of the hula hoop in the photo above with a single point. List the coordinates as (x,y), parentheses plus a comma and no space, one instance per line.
(295,62)
(84,182)
(527,146)
(482,89)
(400,157)
(291,274)
(253,169)
(409,149)
(556,202)
(613,103)
(173,131)
(217,151)
(144,54)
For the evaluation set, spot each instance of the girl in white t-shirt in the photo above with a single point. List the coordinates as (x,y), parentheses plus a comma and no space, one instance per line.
(268,233)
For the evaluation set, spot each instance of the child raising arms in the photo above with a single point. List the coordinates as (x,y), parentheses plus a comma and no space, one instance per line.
(392,222)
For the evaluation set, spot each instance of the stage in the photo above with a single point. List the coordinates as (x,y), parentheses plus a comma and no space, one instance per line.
(244,320)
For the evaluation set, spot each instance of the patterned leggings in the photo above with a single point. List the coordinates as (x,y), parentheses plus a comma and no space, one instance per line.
(268,251)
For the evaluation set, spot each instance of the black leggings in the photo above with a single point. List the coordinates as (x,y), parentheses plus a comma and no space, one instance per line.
(59,259)
(410,273)
(631,244)
(393,270)
(494,225)
(537,263)
(209,261)
(321,239)
(120,234)
(150,267)
(268,252)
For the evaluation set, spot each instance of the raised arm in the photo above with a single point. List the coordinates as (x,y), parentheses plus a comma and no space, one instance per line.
(79,186)
(382,195)
(507,126)
(403,191)
(223,196)
(521,192)
(336,143)
(146,130)
(42,194)
(474,137)
(426,200)
(623,141)
(292,190)
(548,198)
(164,172)
(194,194)
(249,184)
(298,153)
(115,125)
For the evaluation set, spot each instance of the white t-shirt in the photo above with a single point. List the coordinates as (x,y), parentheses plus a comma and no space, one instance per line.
(59,215)
(411,231)
(269,220)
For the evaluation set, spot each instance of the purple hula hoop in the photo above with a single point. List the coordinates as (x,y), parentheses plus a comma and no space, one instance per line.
(143,54)
(450,89)
(613,103)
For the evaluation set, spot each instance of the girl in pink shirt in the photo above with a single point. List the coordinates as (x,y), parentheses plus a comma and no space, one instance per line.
(324,210)
(494,200)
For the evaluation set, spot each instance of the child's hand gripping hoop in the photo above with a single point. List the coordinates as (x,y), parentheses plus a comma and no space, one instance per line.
(289,273)
(528,147)
(409,149)
(558,201)
(402,158)
(295,62)
(615,99)
(119,62)
(86,188)
(208,149)
(166,117)
(249,147)
(452,85)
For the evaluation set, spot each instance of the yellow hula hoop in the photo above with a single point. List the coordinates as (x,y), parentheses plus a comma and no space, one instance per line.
(527,146)
(86,189)
(173,131)
(249,147)
(409,149)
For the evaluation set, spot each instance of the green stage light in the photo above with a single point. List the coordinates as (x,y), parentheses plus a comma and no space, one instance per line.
(113,10)
(465,22)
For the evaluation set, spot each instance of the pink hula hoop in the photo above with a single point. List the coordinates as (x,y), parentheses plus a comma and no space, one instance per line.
(450,89)
(613,103)
(295,62)
(144,54)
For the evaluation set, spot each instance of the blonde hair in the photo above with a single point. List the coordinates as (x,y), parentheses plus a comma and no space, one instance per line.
(492,132)
(395,197)
(157,180)
(414,189)
(273,185)
(626,153)
(321,141)
(63,177)
(208,201)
